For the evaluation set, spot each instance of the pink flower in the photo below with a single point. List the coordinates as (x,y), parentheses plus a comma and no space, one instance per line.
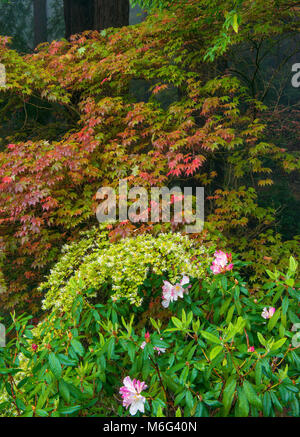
(131,395)
(268,313)
(220,263)
(147,338)
(251,349)
(156,348)
(172,292)
(34,347)
(160,350)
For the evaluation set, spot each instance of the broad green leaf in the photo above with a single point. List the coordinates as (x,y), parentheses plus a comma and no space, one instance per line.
(55,365)
(242,403)
(261,339)
(210,337)
(251,395)
(229,394)
(258,373)
(215,351)
(230,314)
(235,23)
(69,410)
(273,320)
(278,344)
(64,391)
(77,346)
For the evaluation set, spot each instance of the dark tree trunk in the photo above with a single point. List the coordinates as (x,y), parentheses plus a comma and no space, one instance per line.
(40,21)
(111,13)
(83,15)
(79,16)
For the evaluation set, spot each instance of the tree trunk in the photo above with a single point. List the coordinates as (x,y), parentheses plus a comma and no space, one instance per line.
(79,16)
(111,13)
(40,21)
(83,15)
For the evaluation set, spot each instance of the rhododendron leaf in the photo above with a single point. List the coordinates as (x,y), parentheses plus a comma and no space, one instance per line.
(64,391)
(293,265)
(77,346)
(66,361)
(267,404)
(55,365)
(178,412)
(110,348)
(225,305)
(215,351)
(159,343)
(69,410)
(258,373)
(278,344)
(177,322)
(184,375)
(251,394)
(201,410)
(189,399)
(210,337)
(131,350)
(230,314)
(261,339)
(154,323)
(228,394)
(274,319)
(41,413)
(242,403)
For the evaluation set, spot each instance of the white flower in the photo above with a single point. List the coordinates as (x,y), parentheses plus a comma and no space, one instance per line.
(131,395)
(268,313)
(172,292)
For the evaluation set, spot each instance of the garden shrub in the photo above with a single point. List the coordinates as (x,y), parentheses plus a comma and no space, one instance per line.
(215,351)
(94,264)
(71,123)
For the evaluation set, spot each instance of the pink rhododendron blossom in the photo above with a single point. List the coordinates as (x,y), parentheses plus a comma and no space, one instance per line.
(268,313)
(251,349)
(172,292)
(143,345)
(222,262)
(160,350)
(156,348)
(131,395)
(147,340)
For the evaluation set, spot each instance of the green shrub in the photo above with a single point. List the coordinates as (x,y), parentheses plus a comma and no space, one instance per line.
(121,268)
(211,353)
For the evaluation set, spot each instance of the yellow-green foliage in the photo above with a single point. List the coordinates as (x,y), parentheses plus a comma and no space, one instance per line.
(2,280)
(93,262)
(2,283)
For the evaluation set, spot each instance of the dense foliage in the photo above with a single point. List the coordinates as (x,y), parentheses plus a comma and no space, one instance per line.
(125,265)
(141,318)
(73,119)
(215,350)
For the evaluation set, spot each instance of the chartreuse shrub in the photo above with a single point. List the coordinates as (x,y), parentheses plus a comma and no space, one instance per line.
(94,265)
(215,351)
